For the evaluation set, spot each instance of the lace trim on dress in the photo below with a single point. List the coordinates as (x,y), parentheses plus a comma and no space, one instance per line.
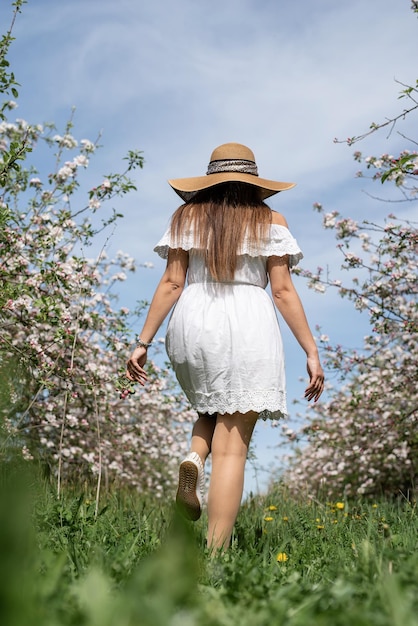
(280,243)
(269,404)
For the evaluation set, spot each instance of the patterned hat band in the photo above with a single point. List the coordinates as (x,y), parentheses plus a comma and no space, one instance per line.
(232,165)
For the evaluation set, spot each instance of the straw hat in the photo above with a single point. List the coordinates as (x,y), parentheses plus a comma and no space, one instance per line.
(229,162)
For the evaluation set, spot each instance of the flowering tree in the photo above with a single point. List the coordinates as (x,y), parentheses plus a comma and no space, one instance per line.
(57,318)
(62,341)
(9,158)
(364,440)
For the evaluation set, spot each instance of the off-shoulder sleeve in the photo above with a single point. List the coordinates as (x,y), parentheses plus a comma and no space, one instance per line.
(186,242)
(279,243)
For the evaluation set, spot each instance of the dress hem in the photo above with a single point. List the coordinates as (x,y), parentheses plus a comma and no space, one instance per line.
(272,411)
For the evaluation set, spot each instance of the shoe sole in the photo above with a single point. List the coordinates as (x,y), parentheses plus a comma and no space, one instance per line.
(186,498)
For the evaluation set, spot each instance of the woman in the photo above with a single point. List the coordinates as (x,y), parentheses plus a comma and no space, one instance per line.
(223,339)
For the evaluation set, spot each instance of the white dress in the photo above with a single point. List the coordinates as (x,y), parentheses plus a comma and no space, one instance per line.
(223,338)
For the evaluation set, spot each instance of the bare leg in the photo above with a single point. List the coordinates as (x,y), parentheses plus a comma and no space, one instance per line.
(202,435)
(230,443)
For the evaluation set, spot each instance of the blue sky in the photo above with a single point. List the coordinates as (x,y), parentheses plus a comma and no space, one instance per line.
(175,79)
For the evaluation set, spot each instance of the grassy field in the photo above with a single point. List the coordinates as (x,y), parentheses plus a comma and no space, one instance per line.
(298,563)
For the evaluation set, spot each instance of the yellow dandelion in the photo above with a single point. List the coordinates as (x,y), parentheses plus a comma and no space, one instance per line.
(335,521)
(282,557)
(318,519)
(272,507)
(386,530)
(285,519)
(339,505)
(320,527)
(374,506)
(268,519)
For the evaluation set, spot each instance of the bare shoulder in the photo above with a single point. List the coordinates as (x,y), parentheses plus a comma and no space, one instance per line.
(278,218)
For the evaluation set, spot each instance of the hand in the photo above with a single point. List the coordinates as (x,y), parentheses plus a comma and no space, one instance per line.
(316,379)
(134,367)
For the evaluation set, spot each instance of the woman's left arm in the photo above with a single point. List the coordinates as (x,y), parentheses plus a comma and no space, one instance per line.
(166,295)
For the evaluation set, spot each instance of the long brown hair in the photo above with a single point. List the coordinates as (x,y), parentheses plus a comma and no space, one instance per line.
(220,218)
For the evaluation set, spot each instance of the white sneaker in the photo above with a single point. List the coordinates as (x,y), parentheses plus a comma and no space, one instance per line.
(191,483)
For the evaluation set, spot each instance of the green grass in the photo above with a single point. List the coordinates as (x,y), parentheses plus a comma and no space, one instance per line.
(138,564)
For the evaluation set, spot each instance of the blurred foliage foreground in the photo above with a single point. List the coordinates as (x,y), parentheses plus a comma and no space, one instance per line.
(135,563)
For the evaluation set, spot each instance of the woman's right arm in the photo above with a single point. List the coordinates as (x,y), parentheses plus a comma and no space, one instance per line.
(290,306)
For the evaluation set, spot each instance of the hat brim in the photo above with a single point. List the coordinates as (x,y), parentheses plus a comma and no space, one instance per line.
(186,188)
